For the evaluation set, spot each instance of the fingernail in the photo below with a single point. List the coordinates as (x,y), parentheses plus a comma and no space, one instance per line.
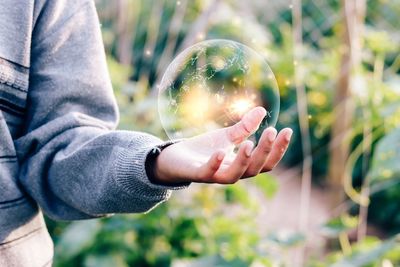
(289,135)
(271,135)
(248,150)
(220,156)
(261,111)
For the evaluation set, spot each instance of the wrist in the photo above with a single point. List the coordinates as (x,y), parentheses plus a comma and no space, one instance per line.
(157,168)
(160,175)
(152,167)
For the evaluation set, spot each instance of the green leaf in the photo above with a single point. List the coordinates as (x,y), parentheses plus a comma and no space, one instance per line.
(380,41)
(370,256)
(76,237)
(267,184)
(286,239)
(216,261)
(105,261)
(385,163)
(119,73)
(238,193)
(336,226)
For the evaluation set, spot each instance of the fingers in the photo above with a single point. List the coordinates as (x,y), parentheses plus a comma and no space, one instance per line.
(235,171)
(270,150)
(207,171)
(261,152)
(246,126)
(278,149)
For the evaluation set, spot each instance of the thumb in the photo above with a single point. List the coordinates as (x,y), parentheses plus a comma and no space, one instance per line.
(249,123)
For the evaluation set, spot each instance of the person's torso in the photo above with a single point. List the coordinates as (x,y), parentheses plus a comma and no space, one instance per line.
(24,240)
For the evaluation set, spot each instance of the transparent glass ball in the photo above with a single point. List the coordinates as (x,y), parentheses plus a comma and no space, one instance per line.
(211,85)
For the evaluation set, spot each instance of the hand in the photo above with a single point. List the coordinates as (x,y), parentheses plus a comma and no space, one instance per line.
(209,158)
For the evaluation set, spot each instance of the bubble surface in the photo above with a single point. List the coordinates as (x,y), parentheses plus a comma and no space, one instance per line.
(211,85)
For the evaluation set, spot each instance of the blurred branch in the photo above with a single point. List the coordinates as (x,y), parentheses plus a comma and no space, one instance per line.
(395,67)
(125,21)
(195,33)
(303,120)
(374,189)
(367,141)
(369,137)
(199,28)
(345,243)
(173,34)
(153,30)
(353,15)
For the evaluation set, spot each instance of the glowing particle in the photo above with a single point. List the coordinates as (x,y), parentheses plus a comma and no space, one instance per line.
(295,63)
(200,36)
(287,82)
(178,3)
(290,6)
(240,106)
(219,98)
(234,79)
(253,40)
(148,52)
(387,173)
(218,63)
(195,106)
(387,263)
(309,116)
(237,21)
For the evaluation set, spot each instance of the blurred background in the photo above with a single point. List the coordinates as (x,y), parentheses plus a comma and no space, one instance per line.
(335,198)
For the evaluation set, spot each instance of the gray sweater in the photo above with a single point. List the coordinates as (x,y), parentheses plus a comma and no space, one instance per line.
(59,149)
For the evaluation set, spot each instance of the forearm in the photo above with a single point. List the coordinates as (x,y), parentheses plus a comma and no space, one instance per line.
(85,170)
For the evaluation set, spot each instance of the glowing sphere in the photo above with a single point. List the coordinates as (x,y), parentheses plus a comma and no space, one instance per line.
(212,85)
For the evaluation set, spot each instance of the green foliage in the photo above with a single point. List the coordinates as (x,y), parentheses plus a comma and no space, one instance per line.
(267,184)
(371,252)
(210,225)
(215,226)
(385,174)
(385,164)
(77,237)
(286,240)
(337,226)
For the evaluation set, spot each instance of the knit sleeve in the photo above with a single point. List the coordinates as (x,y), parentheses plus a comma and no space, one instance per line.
(72,160)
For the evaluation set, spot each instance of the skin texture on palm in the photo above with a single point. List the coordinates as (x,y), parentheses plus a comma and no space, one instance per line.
(210,157)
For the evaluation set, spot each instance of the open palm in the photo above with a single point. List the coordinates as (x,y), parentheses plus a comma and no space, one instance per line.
(210,157)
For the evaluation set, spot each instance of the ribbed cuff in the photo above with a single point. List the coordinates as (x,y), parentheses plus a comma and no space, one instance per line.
(131,170)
